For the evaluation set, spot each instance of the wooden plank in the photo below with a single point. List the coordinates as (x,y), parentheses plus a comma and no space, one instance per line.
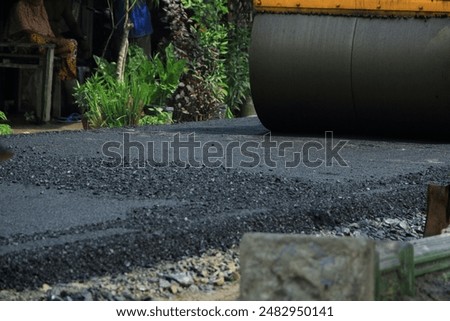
(13,45)
(47,81)
(431,254)
(56,97)
(39,93)
(438,209)
(22,60)
(400,263)
(18,56)
(18,66)
(395,278)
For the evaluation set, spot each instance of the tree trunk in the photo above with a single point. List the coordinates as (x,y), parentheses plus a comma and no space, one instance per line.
(122,58)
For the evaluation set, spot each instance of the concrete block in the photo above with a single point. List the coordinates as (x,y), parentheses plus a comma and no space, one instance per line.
(281,267)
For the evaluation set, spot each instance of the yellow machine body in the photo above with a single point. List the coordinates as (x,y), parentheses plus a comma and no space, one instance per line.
(369,7)
(351,66)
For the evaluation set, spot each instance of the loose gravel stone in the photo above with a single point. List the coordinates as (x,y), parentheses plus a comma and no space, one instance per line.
(183,278)
(164,281)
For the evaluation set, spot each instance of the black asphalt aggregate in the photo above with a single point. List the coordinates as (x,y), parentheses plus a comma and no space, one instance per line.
(74,205)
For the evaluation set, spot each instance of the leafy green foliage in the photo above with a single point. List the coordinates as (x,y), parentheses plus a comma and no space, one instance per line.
(211,32)
(5,129)
(213,36)
(168,75)
(108,102)
(240,22)
(156,116)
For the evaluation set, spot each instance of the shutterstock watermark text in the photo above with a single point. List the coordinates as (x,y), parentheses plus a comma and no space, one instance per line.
(187,150)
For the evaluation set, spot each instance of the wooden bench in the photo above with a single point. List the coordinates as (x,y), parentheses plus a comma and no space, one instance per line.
(12,56)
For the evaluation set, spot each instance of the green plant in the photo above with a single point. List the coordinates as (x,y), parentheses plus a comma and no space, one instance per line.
(211,30)
(213,36)
(237,69)
(156,116)
(199,34)
(5,129)
(168,74)
(240,13)
(108,102)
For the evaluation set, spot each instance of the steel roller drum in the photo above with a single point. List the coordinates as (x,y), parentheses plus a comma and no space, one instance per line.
(312,73)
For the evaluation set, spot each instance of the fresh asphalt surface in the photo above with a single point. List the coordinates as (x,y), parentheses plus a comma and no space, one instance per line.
(72,207)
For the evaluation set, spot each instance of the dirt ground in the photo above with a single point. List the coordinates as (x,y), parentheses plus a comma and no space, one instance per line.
(433,287)
(20,126)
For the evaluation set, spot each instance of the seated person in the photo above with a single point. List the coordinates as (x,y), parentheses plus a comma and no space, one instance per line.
(28,22)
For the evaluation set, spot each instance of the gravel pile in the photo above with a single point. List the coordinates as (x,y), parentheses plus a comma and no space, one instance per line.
(193,276)
(202,209)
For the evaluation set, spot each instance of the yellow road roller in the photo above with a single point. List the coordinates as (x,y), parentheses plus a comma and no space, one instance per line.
(352,66)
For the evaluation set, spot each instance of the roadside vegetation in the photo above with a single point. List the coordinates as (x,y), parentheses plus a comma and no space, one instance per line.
(5,129)
(200,70)
(136,99)
(213,36)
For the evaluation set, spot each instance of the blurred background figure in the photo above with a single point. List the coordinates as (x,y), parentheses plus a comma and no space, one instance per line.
(65,25)
(28,22)
(142,30)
